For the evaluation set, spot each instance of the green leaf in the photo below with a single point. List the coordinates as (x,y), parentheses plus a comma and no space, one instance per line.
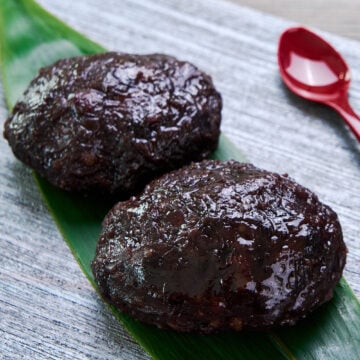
(31,38)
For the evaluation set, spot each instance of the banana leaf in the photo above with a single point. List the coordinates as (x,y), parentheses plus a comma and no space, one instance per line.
(32,38)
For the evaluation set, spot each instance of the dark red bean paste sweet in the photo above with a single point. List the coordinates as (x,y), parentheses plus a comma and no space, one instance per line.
(112,122)
(220,245)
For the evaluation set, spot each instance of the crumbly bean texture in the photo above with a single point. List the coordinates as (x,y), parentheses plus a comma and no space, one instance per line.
(112,122)
(218,246)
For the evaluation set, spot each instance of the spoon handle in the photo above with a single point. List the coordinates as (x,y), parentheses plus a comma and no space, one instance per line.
(343,107)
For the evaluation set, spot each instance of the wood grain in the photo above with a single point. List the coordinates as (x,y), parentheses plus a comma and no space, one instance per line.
(340,17)
(48,309)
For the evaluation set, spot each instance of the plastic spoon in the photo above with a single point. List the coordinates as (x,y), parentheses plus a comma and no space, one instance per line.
(314,70)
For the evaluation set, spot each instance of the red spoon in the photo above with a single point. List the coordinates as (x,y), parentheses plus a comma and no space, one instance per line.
(314,70)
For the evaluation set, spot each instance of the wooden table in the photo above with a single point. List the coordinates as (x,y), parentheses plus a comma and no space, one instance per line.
(48,310)
(340,17)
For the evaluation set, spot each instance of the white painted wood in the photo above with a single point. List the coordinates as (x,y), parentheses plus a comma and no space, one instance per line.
(340,17)
(48,310)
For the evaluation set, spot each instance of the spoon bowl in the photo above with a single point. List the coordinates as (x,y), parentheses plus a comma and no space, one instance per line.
(314,70)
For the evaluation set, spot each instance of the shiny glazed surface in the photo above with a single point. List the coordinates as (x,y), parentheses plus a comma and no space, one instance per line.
(220,245)
(114,121)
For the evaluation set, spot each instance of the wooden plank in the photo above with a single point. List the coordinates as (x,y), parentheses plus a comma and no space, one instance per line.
(340,17)
(48,309)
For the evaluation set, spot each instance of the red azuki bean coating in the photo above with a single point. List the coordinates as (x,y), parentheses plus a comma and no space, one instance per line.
(114,121)
(220,245)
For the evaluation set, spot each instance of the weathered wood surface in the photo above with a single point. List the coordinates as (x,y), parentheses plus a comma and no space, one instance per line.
(48,310)
(340,17)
